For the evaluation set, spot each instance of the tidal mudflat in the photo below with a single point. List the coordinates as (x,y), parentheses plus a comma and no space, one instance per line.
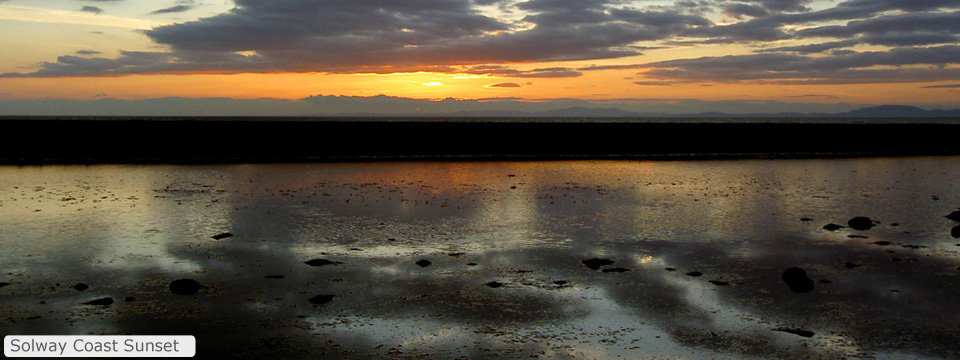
(735,259)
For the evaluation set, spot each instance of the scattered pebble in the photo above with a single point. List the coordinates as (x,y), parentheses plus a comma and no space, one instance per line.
(694,273)
(850,265)
(273,276)
(222,236)
(424,263)
(719,283)
(616,270)
(81,286)
(882,243)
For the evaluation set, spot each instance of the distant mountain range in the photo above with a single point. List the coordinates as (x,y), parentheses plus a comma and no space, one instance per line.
(884,111)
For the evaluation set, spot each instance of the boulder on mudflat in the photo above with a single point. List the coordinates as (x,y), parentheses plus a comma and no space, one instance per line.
(321,299)
(796,278)
(81,286)
(221,236)
(860,223)
(615,270)
(955,232)
(424,263)
(100,302)
(321,262)
(798,332)
(184,287)
(596,263)
(955,216)
(832,227)
(494,284)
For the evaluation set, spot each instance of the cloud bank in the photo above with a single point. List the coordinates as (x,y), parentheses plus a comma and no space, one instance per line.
(851,41)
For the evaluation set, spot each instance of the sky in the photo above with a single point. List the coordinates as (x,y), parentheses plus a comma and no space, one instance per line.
(688,55)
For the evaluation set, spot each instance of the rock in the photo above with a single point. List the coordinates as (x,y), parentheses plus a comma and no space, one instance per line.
(2,284)
(860,223)
(882,243)
(471,264)
(832,227)
(595,263)
(799,332)
(806,219)
(273,276)
(616,270)
(955,216)
(100,302)
(222,236)
(81,286)
(796,278)
(321,299)
(825,281)
(858,237)
(955,232)
(670,269)
(719,283)
(184,287)
(494,284)
(560,282)
(850,265)
(694,273)
(129,299)
(322,262)
(424,263)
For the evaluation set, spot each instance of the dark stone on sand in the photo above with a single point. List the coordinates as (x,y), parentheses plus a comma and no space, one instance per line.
(321,299)
(882,243)
(860,223)
(719,283)
(129,299)
(799,332)
(806,219)
(472,264)
(560,282)
(694,273)
(596,263)
(670,269)
(796,278)
(850,265)
(424,263)
(494,284)
(832,227)
(273,276)
(222,236)
(825,281)
(81,286)
(858,237)
(616,270)
(100,302)
(2,284)
(955,216)
(955,232)
(322,262)
(184,287)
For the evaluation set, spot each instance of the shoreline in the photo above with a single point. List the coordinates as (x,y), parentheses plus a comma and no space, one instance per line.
(250,140)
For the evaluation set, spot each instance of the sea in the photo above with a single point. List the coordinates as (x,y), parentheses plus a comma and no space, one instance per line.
(452,259)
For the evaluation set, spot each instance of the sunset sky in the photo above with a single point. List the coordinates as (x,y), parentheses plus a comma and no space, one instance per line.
(806,53)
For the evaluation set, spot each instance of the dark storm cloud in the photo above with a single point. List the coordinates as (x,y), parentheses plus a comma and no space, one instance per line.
(91,9)
(388,36)
(172,9)
(902,65)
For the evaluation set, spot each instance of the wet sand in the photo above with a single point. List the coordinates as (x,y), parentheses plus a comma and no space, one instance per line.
(240,140)
(475,260)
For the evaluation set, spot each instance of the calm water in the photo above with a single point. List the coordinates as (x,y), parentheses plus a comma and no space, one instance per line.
(128,231)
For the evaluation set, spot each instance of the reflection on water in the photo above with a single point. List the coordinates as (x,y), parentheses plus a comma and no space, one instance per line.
(128,231)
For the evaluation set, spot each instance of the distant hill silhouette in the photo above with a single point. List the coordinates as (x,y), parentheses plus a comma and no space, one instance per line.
(883,111)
